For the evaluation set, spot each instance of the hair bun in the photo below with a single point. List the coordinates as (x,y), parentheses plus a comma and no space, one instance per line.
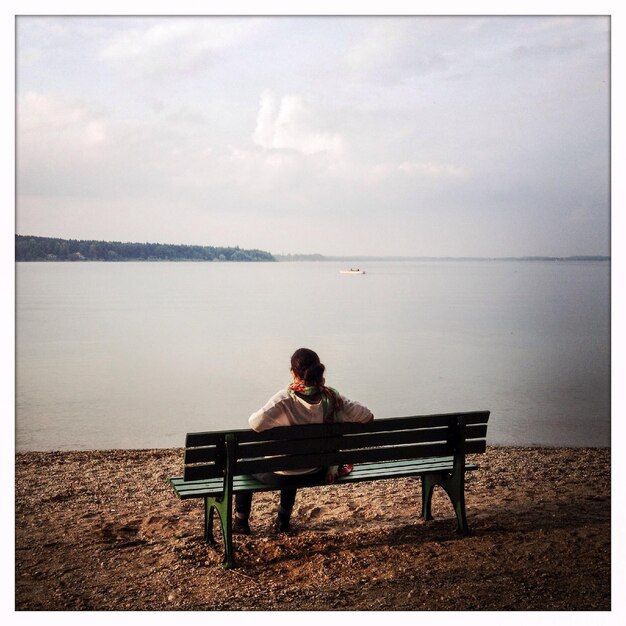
(306,364)
(314,374)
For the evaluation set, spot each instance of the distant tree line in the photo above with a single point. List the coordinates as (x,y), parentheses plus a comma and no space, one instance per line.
(299,257)
(28,248)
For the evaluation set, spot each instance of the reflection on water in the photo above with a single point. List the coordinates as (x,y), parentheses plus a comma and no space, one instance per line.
(115,355)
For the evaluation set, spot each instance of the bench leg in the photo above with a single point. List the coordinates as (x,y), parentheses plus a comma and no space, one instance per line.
(457,497)
(224,509)
(454,486)
(428,484)
(208,522)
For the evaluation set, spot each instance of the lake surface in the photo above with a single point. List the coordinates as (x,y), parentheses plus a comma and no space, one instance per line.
(135,355)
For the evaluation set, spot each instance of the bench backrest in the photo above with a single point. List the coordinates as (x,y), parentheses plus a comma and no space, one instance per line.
(210,454)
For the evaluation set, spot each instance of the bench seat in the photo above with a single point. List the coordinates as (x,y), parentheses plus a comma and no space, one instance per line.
(370,471)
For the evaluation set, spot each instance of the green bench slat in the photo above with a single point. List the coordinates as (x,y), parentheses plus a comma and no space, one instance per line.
(383,472)
(321,430)
(203,472)
(329,444)
(369,471)
(199,472)
(415,451)
(427,462)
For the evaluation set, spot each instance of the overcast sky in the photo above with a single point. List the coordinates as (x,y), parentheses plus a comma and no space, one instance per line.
(425,136)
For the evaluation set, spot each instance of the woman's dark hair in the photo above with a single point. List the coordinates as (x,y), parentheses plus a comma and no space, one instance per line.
(306,364)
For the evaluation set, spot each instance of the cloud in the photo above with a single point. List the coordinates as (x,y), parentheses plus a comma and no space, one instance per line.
(378,46)
(433,169)
(46,121)
(290,125)
(544,50)
(67,147)
(39,112)
(396,50)
(376,117)
(176,45)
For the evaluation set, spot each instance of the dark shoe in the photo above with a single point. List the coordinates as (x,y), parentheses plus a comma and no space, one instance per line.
(241,526)
(281,525)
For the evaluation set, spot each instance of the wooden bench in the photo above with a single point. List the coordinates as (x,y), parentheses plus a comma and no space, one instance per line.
(219,464)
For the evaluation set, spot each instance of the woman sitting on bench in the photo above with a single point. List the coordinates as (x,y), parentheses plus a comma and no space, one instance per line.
(306,401)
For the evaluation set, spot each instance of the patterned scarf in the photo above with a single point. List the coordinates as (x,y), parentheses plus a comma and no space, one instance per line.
(331,400)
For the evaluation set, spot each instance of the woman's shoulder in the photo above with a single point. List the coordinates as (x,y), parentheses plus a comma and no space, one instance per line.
(272,413)
(280,396)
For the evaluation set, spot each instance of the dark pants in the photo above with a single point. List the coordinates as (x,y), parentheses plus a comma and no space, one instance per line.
(288,483)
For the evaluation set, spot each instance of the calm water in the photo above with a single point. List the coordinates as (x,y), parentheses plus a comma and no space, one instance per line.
(134,355)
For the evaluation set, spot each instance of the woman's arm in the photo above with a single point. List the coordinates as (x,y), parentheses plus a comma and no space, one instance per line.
(271,415)
(354,411)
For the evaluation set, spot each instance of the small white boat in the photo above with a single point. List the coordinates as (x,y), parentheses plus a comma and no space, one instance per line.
(352,271)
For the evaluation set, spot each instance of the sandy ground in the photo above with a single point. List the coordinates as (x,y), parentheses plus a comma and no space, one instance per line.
(103,531)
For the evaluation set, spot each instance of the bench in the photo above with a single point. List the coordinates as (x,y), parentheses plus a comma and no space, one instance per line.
(218,465)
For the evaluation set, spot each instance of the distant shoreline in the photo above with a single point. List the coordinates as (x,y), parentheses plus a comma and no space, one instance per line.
(280,259)
(46,249)
(31,248)
(322,258)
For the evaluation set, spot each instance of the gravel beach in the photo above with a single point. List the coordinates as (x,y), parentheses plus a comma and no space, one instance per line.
(102,530)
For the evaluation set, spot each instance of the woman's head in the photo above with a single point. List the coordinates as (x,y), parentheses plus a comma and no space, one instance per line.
(305,364)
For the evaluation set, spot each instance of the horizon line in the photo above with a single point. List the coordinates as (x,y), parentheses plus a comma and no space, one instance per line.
(398,257)
(354,257)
